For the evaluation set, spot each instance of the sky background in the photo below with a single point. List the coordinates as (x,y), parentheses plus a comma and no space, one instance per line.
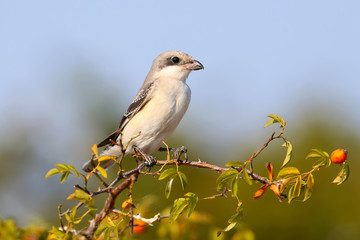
(66,66)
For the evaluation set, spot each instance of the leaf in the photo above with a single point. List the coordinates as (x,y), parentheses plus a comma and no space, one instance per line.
(168,187)
(275,119)
(68,218)
(288,145)
(261,191)
(183,179)
(246,177)
(64,177)
(110,222)
(291,194)
(269,167)
(343,175)
(310,181)
(102,171)
(275,189)
(95,150)
(232,222)
(74,170)
(81,196)
(168,173)
(308,193)
(317,153)
(234,164)
(297,189)
(234,187)
(52,172)
(288,171)
(313,155)
(62,166)
(179,205)
(225,177)
(105,158)
(193,199)
(73,212)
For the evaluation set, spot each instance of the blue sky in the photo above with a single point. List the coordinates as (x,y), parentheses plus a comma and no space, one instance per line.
(260,58)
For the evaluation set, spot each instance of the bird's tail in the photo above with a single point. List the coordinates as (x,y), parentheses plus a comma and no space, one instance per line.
(91,164)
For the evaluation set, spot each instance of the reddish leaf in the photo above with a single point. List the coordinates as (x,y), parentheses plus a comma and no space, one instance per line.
(261,191)
(269,167)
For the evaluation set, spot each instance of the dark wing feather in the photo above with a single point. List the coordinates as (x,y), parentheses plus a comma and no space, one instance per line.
(139,102)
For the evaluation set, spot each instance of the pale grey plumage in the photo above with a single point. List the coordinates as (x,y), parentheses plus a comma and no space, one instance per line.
(157,108)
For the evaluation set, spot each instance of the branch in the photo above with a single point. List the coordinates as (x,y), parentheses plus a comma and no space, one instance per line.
(199,164)
(109,205)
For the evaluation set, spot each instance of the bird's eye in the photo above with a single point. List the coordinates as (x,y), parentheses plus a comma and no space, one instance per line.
(175,59)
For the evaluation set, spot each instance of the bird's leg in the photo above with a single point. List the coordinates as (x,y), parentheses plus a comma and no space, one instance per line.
(149,160)
(177,152)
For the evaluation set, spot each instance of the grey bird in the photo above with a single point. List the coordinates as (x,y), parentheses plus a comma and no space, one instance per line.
(156,110)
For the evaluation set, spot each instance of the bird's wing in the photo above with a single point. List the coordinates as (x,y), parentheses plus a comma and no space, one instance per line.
(139,102)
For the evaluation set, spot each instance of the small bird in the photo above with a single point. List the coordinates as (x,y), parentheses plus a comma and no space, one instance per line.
(155,112)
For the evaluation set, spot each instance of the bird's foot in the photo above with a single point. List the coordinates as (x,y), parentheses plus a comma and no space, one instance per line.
(150,161)
(177,152)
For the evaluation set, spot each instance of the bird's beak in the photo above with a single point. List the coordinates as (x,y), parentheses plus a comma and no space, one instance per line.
(195,65)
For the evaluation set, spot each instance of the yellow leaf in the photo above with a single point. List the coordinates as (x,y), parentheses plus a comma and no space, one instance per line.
(310,181)
(104,158)
(102,171)
(95,150)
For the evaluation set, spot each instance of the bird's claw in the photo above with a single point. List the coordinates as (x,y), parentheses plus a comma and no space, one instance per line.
(150,161)
(177,152)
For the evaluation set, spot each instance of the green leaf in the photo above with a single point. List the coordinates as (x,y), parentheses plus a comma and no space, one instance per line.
(275,119)
(226,177)
(246,177)
(234,164)
(179,205)
(68,218)
(297,189)
(232,222)
(291,194)
(74,170)
(234,187)
(168,173)
(288,171)
(183,179)
(307,195)
(317,153)
(313,155)
(168,187)
(81,196)
(52,172)
(343,175)
(73,213)
(64,176)
(62,166)
(193,199)
(288,145)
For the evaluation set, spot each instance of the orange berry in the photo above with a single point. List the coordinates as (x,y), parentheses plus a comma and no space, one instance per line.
(339,156)
(139,226)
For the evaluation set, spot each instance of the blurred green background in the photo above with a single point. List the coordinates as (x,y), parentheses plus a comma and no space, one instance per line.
(70,69)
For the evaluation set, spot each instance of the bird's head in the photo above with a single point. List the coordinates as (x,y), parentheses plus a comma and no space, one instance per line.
(174,64)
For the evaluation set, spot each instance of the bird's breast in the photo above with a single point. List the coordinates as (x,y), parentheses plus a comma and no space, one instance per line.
(160,116)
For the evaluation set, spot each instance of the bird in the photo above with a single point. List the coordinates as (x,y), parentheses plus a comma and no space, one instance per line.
(155,112)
